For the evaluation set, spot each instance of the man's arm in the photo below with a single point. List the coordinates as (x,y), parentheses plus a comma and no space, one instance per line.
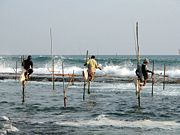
(150,71)
(98,66)
(86,63)
(31,64)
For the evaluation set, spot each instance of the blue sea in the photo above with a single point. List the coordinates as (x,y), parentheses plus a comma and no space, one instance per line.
(110,109)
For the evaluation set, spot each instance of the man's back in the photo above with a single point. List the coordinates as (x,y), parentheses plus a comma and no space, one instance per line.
(92,64)
(27,64)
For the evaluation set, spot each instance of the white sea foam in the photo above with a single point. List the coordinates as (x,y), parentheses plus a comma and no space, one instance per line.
(173,73)
(114,70)
(118,71)
(3,132)
(7,70)
(103,120)
(5,118)
(6,126)
(10,128)
(110,70)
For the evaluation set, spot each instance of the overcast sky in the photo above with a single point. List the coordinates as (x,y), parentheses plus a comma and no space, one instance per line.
(100,26)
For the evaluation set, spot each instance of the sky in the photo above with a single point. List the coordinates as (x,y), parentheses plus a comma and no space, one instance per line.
(99,26)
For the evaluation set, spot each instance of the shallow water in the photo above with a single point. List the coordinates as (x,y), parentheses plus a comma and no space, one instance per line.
(110,109)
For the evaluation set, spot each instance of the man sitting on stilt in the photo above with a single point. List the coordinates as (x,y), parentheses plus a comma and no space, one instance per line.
(28,66)
(142,72)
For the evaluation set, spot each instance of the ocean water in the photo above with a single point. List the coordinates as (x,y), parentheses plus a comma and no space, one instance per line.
(118,65)
(110,109)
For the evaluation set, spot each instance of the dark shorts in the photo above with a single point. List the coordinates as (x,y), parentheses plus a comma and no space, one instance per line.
(145,76)
(30,71)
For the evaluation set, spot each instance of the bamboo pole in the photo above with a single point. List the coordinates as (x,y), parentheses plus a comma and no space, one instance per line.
(23,82)
(152,80)
(137,43)
(164,81)
(23,93)
(22,62)
(52,58)
(84,90)
(53,79)
(64,90)
(89,87)
(139,95)
(138,62)
(51,42)
(16,71)
(73,78)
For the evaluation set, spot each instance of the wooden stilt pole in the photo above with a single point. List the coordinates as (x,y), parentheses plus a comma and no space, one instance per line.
(164,81)
(139,95)
(64,90)
(22,62)
(23,93)
(138,62)
(73,78)
(52,57)
(16,71)
(152,80)
(84,90)
(137,49)
(51,42)
(89,86)
(53,83)
(23,82)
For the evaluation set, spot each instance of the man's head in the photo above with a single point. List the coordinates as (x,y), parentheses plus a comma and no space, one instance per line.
(93,57)
(29,57)
(146,61)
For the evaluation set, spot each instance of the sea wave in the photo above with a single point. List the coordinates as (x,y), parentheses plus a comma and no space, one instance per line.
(6,126)
(112,65)
(113,70)
(103,120)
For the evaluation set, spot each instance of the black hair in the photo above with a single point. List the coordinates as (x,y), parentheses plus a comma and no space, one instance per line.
(92,57)
(29,57)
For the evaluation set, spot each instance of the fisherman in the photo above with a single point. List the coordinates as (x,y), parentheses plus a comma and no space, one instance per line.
(143,71)
(92,66)
(28,66)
